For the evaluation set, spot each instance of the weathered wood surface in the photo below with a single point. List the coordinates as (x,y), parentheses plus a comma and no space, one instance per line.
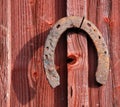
(24,25)
(31,21)
(5,65)
(115,51)
(97,12)
(78,95)
(100,96)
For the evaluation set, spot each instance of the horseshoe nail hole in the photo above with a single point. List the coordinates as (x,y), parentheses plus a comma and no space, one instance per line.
(99,37)
(54,76)
(58,26)
(50,54)
(89,24)
(71,59)
(105,52)
(51,44)
(46,56)
(103,44)
(49,70)
(47,48)
(50,39)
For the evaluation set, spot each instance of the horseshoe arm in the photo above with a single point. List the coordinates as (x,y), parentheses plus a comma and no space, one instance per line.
(58,29)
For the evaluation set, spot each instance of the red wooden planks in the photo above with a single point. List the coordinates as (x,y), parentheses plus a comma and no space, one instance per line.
(24,25)
(100,96)
(31,21)
(78,95)
(5,65)
(115,51)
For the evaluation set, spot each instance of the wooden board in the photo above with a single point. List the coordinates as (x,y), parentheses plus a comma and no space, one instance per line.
(5,62)
(78,95)
(115,50)
(96,12)
(24,25)
(31,21)
(100,96)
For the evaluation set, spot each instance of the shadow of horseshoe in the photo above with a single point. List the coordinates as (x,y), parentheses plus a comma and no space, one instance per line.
(25,91)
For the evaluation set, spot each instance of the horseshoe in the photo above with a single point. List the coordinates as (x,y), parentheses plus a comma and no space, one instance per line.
(57,30)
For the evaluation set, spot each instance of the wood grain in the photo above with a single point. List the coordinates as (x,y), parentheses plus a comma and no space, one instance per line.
(4,53)
(31,21)
(78,95)
(24,25)
(100,96)
(115,50)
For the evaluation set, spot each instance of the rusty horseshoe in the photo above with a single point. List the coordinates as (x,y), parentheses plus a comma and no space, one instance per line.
(57,30)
